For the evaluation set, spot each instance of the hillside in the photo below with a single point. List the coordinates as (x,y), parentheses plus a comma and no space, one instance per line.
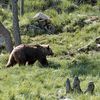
(76,26)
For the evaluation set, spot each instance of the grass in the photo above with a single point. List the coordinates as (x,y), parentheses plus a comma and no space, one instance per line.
(40,83)
(36,82)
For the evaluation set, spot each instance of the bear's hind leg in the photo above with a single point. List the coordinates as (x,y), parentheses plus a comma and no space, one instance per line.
(20,58)
(11,61)
(21,62)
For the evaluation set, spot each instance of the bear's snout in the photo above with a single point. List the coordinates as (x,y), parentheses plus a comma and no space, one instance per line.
(51,53)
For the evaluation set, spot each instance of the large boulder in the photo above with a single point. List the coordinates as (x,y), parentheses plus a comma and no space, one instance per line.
(41,16)
(42,24)
(1,41)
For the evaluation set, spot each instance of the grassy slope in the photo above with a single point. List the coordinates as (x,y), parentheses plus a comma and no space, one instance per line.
(38,83)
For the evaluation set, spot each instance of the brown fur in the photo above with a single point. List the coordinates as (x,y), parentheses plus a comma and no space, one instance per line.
(25,53)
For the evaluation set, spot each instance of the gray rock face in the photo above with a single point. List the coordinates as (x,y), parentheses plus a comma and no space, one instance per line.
(97,40)
(1,40)
(42,24)
(41,16)
(1,43)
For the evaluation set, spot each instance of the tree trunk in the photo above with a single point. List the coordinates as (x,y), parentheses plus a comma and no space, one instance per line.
(6,34)
(16,23)
(21,7)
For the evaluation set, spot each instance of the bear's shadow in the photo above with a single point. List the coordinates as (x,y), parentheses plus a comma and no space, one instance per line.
(51,64)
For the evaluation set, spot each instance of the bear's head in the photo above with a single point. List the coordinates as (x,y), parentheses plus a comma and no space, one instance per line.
(47,50)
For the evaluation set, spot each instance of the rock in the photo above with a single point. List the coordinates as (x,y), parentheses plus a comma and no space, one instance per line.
(41,24)
(83,49)
(92,2)
(59,94)
(96,8)
(87,48)
(69,29)
(50,28)
(91,19)
(71,8)
(59,11)
(1,41)
(41,16)
(79,23)
(97,47)
(54,3)
(64,98)
(69,53)
(97,40)
(90,88)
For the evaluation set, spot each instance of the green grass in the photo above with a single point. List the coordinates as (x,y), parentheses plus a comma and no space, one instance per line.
(36,82)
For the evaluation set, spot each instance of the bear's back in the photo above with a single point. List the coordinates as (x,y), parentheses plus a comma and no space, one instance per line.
(32,51)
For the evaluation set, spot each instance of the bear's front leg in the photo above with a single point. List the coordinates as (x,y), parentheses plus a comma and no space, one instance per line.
(43,61)
(30,62)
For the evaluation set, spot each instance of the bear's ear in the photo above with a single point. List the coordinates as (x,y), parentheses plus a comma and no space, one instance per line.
(47,46)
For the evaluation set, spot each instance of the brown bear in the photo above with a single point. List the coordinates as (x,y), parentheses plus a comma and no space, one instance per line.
(27,53)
